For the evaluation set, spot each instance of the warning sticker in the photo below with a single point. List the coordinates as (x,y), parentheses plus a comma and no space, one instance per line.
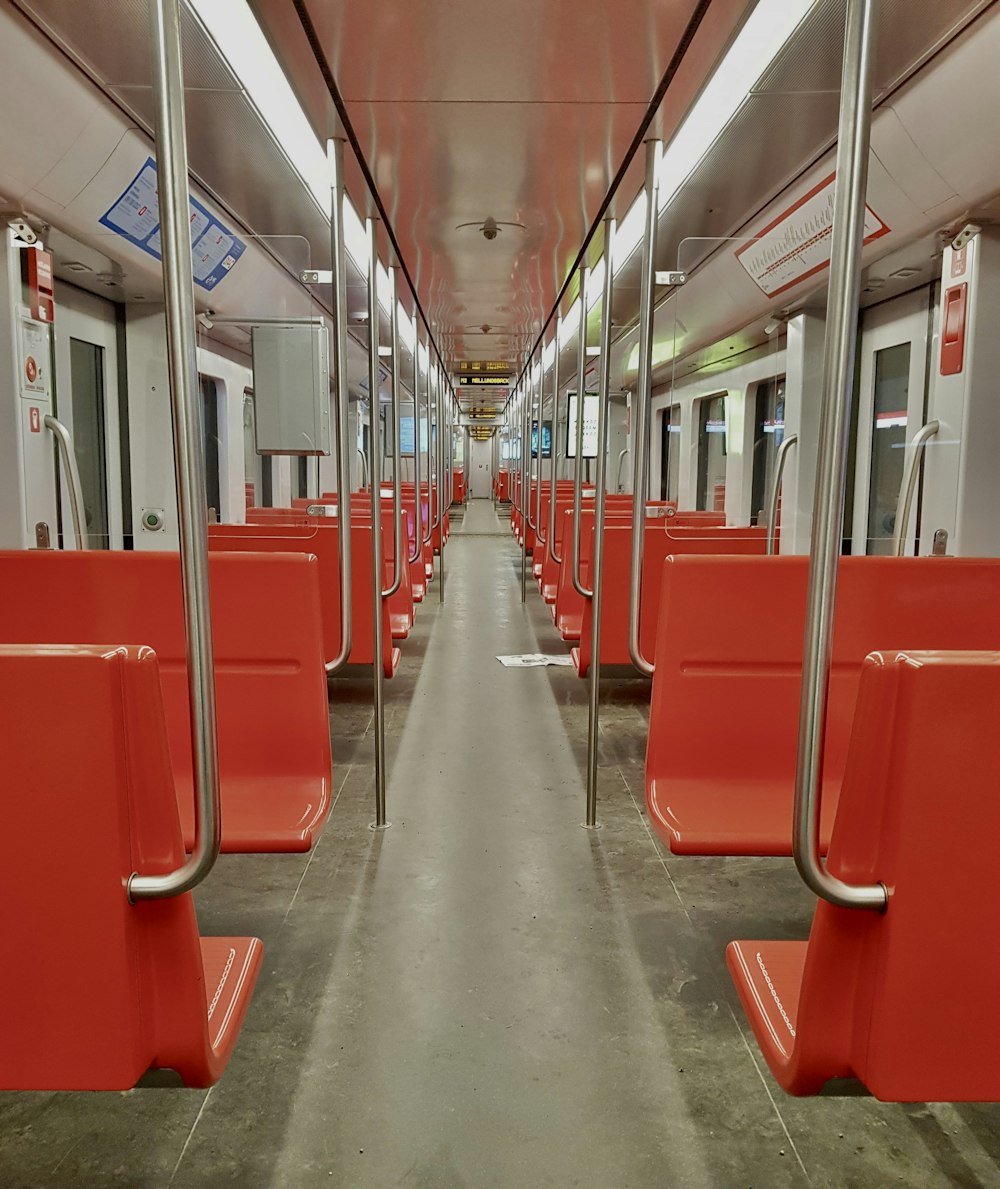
(136,217)
(797,244)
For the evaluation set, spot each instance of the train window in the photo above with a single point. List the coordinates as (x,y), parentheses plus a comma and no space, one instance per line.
(711,495)
(210,428)
(670,453)
(769,432)
(86,361)
(892,389)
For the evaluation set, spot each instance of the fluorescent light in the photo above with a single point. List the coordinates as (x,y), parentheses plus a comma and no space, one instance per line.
(628,234)
(407,327)
(760,40)
(385,288)
(593,352)
(572,319)
(548,355)
(355,236)
(595,284)
(240,40)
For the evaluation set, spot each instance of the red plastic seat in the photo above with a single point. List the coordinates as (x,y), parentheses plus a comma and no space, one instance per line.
(273,711)
(723,725)
(663,538)
(904,1000)
(97,991)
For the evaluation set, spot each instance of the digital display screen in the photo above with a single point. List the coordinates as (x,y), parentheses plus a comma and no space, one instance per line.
(546,439)
(589,425)
(407,435)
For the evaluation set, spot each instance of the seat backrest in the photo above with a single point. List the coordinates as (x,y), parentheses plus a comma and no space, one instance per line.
(729,650)
(267,629)
(93,987)
(319,538)
(910,996)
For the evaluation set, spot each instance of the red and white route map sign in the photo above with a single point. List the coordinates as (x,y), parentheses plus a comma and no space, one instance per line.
(796,245)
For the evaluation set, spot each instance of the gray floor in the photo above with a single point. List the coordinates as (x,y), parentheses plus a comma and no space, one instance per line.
(487,994)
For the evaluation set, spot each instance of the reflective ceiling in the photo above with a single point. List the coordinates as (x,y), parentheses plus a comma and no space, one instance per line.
(520,112)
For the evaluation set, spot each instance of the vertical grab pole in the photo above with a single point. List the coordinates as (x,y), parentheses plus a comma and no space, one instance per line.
(643,398)
(524,467)
(540,536)
(581,383)
(335,155)
(185,407)
(597,580)
(418,513)
(430,461)
(553,474)
(442,478)
(375,448)
(399,560)
(828,501)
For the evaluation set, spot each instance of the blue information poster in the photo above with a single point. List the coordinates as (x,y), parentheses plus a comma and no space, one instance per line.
(136,217)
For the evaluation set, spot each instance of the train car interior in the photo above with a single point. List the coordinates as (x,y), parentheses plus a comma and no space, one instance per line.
(499,594)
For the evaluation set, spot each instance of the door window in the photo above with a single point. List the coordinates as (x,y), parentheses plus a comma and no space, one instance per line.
(892,390)
(712,454)
(670,453)
(210,429)
(86,362)
(769,433)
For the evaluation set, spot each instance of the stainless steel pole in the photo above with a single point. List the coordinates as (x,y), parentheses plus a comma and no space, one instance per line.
(525,485)
(539,534)
(192,505)
(597,581)
(335,155)
(442,479)
(581,383)
(429,453)
(375,450)
(418,510)
(398,557)
(828,503)
(643,398)
(772,501)
(554,473)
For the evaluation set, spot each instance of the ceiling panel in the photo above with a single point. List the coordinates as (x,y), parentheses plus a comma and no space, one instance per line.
(466,109)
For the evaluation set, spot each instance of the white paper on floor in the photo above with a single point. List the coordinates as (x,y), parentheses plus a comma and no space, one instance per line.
(533,660)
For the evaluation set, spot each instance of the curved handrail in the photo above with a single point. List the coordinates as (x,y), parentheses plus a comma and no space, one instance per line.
(366,477)
(618,474)
(918,446)
(189,452)
(67,457)
(772,497)
(643,397)
(418,510)
(581,383)
(335,150)
(398,561)
(828,505)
